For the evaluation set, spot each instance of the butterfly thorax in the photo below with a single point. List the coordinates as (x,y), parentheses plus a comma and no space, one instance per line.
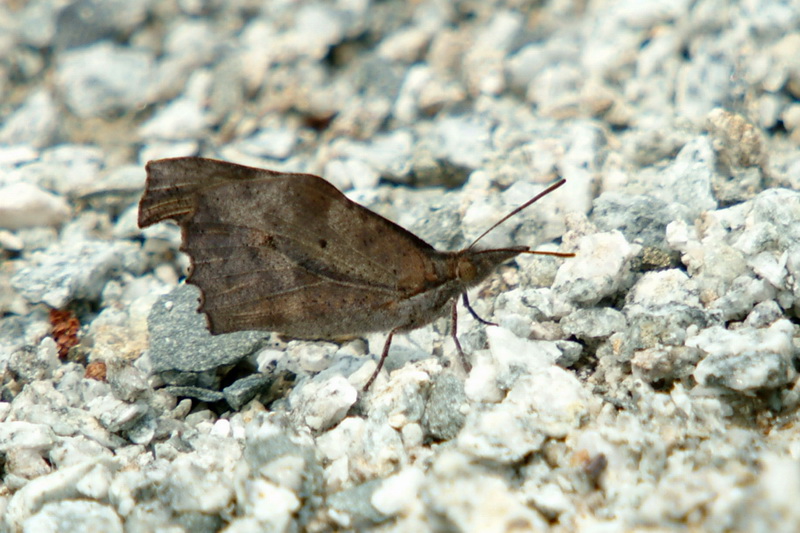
(456,272)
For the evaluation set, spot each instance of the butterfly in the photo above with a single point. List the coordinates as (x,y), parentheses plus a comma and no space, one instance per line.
(289,253)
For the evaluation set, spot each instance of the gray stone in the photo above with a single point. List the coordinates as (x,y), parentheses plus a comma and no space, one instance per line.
(389,155)
(116,415)
(25,463)
(76,450)
(204,395)
(245,389)
(444,416)
(570,353)
(702,83)
(502,433)
(665,363)
(641,219)
(742,156)
(353,508)
(69,169)
(36,24)
(688,180)
(764,314)
(183,118)
(272,143)
(29,364)
(114,191)
(323,401)
(180,340)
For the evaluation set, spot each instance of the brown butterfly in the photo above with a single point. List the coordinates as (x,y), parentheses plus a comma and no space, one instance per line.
(290,253)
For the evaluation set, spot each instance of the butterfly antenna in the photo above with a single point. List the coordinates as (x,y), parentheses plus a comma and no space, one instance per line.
(533,200)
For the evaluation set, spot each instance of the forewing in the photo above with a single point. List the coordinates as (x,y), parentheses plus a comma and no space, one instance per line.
(249,284)
(282,251)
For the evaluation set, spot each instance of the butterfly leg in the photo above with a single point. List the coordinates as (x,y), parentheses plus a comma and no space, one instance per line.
(384,355)
(465,299)
(454,333)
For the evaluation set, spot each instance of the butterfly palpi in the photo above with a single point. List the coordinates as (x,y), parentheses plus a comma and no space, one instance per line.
(290,253)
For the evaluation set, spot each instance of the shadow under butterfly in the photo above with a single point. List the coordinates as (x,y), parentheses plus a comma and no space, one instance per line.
(290,253)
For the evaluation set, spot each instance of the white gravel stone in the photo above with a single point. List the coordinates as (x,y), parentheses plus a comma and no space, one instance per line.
(104,78)
(502,433)
(34,123)
(55,487)
(746,358)
(398,493)
(95,483)
(62,274)
(183,118)
(271,505)
(666,287)
(597,270)
(26,435)
(462,141)
(559,400)
(322,405)
(24,205)
(74,516)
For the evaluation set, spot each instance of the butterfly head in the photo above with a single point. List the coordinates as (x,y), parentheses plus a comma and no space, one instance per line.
(473,266)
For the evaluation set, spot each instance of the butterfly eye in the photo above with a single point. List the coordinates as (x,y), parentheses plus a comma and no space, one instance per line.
(465,269)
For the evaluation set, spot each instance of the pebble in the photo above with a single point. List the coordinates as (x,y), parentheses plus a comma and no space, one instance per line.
(79,515)
(103,78)
(34,123)
(25,435)
(445,409)
(270,505)
(689,178)
(501,434)
(26,205)
(183,118)
(598,269)
(57,487)
(398,493)
(61,274)
(245,389)
(462,141)
(323,404)
(745,359)
(642,219)
(271,143)
(593,323)
(179,339)
(87,21)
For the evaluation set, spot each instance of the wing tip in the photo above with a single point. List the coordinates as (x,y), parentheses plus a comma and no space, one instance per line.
(164,196)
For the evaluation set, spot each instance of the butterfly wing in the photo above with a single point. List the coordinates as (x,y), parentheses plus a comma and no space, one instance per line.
(285,252)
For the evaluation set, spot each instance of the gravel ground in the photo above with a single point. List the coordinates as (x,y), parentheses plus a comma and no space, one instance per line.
(648,383)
